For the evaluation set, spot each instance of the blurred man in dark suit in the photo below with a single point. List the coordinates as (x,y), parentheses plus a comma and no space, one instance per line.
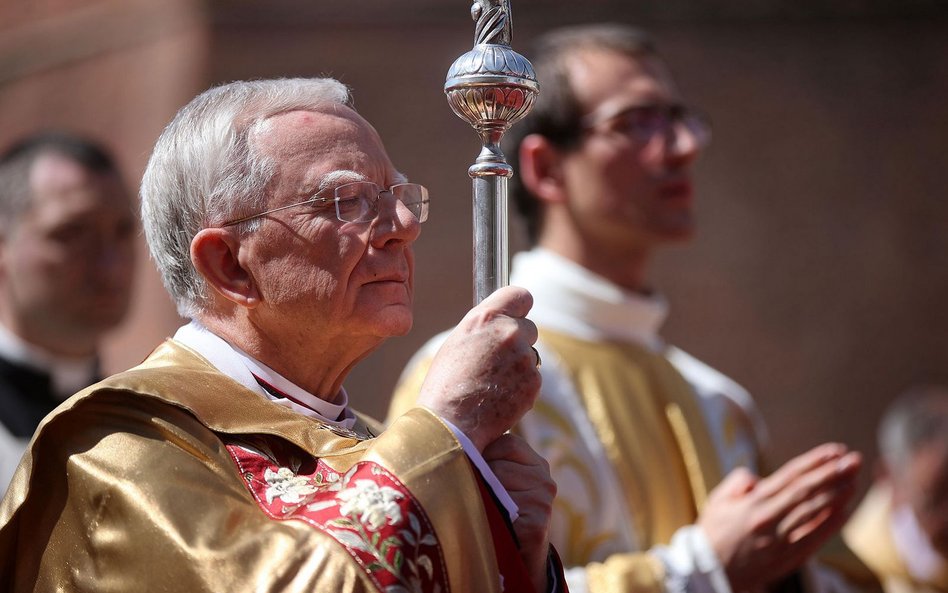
(67,229)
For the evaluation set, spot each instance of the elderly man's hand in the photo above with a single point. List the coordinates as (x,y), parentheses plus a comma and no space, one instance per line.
(526,477)
(763,529)
(485,378)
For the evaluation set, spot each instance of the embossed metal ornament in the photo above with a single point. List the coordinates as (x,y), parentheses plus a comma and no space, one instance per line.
(491,87)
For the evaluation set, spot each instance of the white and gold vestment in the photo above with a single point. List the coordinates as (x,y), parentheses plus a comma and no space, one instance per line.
(636,432)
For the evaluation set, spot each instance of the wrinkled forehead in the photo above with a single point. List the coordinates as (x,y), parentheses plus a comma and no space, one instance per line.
(312,144)
(609,79)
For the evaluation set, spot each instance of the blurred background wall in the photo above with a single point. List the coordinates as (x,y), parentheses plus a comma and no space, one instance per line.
(820,276)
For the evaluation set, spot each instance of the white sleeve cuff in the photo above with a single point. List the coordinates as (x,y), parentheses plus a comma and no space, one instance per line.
(576,579)
(481,464)
(691,566)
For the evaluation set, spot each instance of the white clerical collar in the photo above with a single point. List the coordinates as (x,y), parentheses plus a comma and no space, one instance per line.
(571,299)
(67,375)
(242,367)
(250,372)
(921,560)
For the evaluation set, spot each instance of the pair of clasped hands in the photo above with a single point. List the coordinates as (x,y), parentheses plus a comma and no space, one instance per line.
(486,377)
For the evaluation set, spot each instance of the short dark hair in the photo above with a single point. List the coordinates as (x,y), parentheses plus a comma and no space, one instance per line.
(557,115)
(17,160)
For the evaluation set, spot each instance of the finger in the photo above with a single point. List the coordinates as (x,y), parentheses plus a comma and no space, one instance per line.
(807,516)
(738,482)
(517,477)
(502,447)
(511,447)
(799,465)
(805,542)
(836,475)
(512,301)
(529,330)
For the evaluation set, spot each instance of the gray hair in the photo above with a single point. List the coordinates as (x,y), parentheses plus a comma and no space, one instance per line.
(917,419)
(205,169)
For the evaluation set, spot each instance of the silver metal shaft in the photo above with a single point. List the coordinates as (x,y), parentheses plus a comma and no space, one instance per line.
(491,87)
(490,236)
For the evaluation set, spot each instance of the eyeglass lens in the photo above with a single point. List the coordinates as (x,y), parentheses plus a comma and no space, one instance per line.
(645,122)
(359,201)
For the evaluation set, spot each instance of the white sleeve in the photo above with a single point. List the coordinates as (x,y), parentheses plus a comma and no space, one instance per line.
(689,563)
(691,566)
(513,511)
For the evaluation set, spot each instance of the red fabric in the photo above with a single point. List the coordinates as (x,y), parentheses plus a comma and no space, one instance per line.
(512,569)
(367,510)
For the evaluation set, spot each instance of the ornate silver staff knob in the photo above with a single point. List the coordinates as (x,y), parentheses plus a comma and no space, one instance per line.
(491,87)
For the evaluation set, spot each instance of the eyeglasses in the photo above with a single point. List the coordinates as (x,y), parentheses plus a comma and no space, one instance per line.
(359,202)
(641,123)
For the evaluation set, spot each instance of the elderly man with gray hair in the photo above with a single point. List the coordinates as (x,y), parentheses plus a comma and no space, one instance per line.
(900,529)
(230,459)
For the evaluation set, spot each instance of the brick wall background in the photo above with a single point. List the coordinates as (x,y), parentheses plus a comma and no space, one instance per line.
(819,279)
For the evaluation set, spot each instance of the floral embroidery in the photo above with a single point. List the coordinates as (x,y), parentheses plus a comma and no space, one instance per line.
(367,510)
(287,486)
(376,506)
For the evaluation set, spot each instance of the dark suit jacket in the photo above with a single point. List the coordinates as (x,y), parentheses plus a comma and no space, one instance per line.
(26,397)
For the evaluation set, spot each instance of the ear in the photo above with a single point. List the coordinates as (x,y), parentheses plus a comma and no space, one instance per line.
(215,255)
(541,168)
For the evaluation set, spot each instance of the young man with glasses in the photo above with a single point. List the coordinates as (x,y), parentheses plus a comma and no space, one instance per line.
(638,434)
(230,460)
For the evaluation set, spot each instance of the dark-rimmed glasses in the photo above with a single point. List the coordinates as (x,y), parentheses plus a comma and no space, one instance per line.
(359,202)
(641,123)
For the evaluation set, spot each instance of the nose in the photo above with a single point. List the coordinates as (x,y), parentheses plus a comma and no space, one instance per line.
(394,222)
(683,143)
(114,259)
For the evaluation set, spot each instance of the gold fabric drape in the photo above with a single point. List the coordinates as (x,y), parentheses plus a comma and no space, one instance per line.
(129,486)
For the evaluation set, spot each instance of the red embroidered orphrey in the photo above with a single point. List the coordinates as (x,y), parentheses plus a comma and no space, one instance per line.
(367,510)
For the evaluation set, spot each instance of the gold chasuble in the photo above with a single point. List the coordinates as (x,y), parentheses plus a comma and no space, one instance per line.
(174,477)
(645,415)
(869,536)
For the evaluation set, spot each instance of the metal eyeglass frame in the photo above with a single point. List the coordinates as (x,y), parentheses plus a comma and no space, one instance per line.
(422,216)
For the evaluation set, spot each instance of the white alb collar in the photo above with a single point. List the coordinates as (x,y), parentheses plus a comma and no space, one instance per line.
(921,560)
(571,299)
(243,368)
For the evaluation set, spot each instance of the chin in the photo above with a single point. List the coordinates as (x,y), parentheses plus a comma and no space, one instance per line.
(104,315)
(98,325)
(675,236)
(394,321)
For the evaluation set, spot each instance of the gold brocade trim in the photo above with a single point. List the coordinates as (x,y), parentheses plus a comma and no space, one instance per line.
(665,461)
(867,534)
(689,454)
(626,573)
(631,477)
(583,542)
